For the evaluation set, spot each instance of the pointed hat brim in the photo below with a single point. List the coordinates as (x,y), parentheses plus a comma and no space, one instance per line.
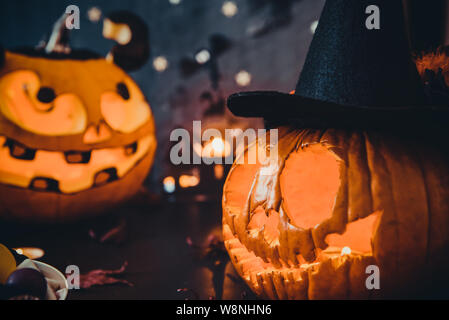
(309,112)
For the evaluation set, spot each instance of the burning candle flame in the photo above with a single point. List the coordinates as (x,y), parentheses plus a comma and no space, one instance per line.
(215,148)
(218,145)
(345,251)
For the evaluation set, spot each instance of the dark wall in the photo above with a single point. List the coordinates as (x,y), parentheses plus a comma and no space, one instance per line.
(427,23)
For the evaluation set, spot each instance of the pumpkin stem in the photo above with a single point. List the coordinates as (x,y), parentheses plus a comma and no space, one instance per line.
(59,39)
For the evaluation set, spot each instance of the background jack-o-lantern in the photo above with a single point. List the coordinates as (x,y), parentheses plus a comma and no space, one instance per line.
(334,202)
(77,136)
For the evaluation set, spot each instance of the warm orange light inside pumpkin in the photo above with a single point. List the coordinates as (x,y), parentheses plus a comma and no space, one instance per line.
(310,182)
(357,235)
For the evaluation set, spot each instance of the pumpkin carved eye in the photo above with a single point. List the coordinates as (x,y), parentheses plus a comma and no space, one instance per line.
(122,90)
(46,95)
(37,109)
(124,110)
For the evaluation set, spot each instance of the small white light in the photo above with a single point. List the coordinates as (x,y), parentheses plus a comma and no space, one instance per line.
(243,78)
(218,145)
(169,184)
(216,148)
(160,64)
(234,132)
(229,9)
(313,26)
(94,14)
(202,56)
(174,2)
(345,251)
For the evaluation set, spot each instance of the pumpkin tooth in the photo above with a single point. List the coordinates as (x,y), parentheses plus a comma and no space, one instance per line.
(233,243)
(279,285)
(250,265)
(259,279)
(131,149)
(77,156)
(105,176)
(44,184)
(254,283)
(19,151)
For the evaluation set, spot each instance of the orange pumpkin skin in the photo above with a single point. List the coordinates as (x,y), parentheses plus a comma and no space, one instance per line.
(383,195)
(80,154)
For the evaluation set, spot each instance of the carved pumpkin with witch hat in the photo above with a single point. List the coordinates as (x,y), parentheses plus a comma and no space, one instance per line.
(77,136)
(355,204)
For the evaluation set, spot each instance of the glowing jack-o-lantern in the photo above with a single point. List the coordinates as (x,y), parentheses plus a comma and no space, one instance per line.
(336,207)
(76,135)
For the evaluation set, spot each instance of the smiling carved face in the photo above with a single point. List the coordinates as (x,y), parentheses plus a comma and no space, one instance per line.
(308,225)
(76,136)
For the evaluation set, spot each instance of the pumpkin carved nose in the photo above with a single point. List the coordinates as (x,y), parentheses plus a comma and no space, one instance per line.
(97,133)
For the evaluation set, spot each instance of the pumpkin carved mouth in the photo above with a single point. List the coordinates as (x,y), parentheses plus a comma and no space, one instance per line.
(335,270)
(68,172)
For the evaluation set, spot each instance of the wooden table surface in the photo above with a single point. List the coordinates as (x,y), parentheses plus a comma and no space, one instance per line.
(160,261)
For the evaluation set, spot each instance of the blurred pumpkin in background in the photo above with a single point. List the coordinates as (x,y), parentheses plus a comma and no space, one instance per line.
(77,136)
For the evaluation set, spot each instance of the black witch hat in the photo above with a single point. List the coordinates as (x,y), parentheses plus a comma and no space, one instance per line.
(352,76)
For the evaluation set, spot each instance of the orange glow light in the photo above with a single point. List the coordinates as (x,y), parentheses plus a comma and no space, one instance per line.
(186,181)
(218,171)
